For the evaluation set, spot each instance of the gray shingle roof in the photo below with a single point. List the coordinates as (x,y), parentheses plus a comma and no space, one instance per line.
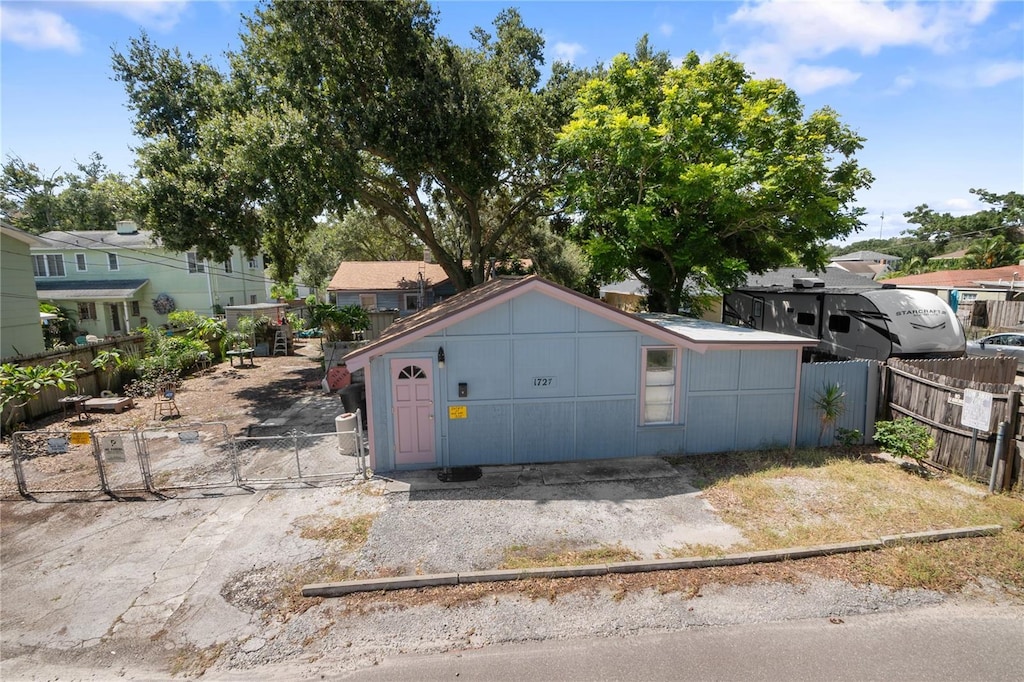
(88,290)
(97,239)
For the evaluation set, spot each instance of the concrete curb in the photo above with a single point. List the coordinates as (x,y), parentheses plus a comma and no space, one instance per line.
(412,581)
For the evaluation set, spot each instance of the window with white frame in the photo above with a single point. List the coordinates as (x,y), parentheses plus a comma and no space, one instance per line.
(368,301)
(195,263)
(80,263)
(135,309)
(49,265)
(227,266)
(252,299)
(659,389)
(411,302)
(86,311)
(252,263)
(112,263)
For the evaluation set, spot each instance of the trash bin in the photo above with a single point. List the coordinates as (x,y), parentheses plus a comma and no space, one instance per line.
(353,397)
(346,425)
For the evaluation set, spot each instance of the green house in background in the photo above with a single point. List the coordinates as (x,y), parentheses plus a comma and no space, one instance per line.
(20,330)
(115,281)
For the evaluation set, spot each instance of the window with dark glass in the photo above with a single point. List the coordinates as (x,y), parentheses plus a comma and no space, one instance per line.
(839,323)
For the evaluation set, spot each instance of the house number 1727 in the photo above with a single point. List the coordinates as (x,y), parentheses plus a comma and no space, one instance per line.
(543,381)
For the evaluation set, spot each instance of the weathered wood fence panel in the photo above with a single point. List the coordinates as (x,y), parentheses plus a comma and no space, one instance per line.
(917,389)
(859,381)
(998,314)
(978,370)
(91,381)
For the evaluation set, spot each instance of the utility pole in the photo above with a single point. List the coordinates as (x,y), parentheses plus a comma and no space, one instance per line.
(880,223)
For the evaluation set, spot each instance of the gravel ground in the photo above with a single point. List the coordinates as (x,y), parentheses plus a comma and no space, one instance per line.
(208,585)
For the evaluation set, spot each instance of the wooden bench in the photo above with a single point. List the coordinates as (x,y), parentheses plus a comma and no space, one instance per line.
(117,404)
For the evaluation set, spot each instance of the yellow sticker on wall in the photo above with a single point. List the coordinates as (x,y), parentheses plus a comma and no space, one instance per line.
(80,438)
(457,412)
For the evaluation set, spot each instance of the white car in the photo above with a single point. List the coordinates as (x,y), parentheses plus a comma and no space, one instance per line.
(999,344)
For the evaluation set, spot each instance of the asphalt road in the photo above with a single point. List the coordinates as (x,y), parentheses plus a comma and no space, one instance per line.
(949,642)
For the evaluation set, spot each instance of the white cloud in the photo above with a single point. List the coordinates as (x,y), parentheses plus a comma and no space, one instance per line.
(784,37)
(987,75)
(567,52)
(814,29)
(666,29)
(901,84)
(37,29)
(958,204)
(161,15)
(808,79)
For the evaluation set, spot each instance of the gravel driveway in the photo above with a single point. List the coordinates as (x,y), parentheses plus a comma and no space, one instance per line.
(208,583)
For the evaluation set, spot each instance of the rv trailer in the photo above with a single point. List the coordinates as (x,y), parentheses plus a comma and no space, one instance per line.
(873,324)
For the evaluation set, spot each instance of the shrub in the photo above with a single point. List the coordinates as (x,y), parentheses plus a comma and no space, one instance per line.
(848,438)
(905,438)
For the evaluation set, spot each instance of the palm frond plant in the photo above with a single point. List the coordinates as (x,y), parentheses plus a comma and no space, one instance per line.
(109,362)
(830,401)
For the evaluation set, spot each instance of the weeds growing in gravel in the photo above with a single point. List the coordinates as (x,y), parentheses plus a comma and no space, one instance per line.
(350,532)
(521,556)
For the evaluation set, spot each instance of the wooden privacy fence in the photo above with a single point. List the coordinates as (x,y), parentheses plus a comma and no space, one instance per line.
(91,381)
(997,314)
(858,379)
(931,392)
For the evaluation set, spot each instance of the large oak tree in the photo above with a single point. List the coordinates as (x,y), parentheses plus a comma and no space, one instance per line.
(688,178)
(329,104)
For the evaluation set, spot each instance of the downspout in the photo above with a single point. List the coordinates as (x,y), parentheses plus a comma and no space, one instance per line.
(127,317)
(209,282)
(243,267)
(796,400)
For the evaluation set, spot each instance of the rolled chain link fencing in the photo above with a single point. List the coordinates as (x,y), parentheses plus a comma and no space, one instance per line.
(164,461)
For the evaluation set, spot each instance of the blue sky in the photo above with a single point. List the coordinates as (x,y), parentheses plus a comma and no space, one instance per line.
(937,88)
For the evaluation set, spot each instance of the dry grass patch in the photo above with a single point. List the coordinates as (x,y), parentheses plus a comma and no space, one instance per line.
(350,532)
(697,550)
(194,662)
(521,556)
(845,500)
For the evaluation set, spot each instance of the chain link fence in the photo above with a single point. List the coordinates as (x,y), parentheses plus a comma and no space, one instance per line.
(163,461)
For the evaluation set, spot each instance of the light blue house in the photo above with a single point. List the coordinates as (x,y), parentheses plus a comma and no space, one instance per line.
(519,371)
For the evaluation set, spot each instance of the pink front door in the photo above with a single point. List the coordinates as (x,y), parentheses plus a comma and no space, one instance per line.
(412,388)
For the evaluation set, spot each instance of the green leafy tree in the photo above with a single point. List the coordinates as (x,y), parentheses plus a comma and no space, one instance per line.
(59,330)
(690,177)
(330,103)
(945,232)
(991,252)
(91,199)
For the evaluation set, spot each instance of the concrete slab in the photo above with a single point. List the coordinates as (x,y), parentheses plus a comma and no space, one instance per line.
(564,473)
(555,473)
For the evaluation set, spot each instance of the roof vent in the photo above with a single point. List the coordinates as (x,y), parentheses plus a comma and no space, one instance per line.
(126,227)
(808,283)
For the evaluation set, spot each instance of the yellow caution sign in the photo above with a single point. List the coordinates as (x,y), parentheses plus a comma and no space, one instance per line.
(80,438)
(457,412)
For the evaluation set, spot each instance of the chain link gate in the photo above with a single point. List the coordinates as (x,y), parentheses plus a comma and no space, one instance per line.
(123,465)
(292,457)
(189,456)
(58,461)
(192,456)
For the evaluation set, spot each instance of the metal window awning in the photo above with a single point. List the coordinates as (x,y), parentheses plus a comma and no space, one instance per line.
(90,290)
